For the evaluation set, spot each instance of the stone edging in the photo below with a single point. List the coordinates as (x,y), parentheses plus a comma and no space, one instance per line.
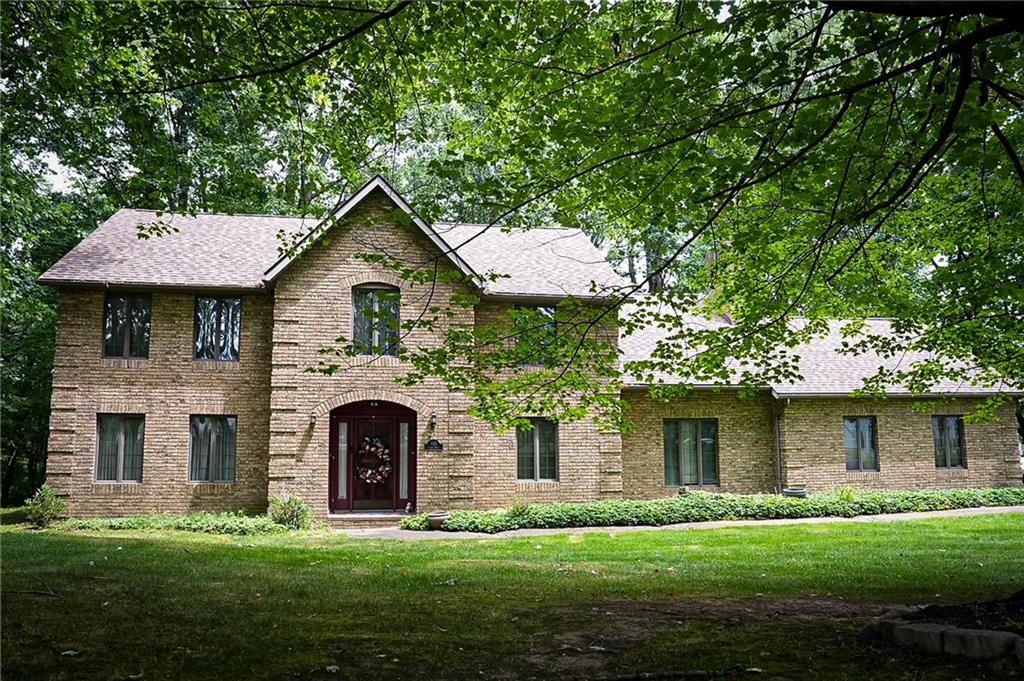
(934,638)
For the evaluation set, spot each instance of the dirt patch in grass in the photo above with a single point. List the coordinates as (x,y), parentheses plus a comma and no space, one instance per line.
(593,641)
(1006,614)
(613,628)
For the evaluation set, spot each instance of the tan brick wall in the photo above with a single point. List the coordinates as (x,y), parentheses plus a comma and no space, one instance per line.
(313,307)
(167,388)
(746,449)
(589,461)
(814,454)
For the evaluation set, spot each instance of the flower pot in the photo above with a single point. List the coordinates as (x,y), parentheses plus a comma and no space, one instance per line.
(798,492)
(436,520)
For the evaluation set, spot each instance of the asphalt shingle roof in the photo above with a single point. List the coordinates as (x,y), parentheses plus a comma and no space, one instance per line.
(824,369)
(213,251)
(207,251)
(542,262)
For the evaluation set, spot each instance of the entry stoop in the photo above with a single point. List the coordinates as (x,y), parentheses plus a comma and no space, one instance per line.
(356,520)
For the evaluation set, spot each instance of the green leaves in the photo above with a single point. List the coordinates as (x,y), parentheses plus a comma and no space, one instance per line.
(761,160)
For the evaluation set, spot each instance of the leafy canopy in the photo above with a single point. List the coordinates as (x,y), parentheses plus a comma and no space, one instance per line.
(759,160)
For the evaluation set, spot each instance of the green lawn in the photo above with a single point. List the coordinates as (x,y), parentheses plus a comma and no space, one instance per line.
(786,599)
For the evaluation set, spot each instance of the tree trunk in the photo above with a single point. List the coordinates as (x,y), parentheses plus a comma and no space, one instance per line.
(8,481)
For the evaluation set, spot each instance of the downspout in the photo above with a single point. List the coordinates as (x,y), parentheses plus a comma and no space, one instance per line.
(778,452)
(777,428)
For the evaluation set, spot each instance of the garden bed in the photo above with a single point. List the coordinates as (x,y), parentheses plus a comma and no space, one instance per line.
(704,506)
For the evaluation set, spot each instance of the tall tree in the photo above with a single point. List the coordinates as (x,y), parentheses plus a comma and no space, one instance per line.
(812,158)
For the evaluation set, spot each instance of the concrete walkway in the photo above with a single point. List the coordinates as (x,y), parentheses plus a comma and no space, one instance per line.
(395,533)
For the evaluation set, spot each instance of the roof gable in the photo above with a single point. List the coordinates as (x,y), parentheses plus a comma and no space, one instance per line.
(377,183)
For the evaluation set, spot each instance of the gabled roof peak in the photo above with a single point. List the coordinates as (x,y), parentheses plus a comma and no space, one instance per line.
(375,183)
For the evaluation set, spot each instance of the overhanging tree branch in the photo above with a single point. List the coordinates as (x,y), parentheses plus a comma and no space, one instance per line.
(275,70)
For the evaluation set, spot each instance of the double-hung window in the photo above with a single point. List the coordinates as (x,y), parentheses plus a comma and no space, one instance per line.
(375,322)
(537,451)
(218,326)
(861,443)
(948,434)
(119,442)
(212,455)
(691,452)
(126,325)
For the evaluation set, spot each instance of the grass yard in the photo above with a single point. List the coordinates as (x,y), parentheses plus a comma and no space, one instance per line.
(785,599)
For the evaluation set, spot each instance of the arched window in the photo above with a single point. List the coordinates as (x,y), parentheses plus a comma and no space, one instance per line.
(375,324)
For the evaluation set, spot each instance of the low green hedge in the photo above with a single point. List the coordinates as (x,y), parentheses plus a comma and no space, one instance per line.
(702,506)
(212,523)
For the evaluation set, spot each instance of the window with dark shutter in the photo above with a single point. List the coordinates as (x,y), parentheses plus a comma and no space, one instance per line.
(218,327)
(126,325)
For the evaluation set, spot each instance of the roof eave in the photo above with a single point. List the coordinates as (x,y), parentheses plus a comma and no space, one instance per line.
(893,395)
(146,285)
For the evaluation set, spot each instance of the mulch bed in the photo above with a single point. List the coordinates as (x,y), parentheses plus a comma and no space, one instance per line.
(1002,615)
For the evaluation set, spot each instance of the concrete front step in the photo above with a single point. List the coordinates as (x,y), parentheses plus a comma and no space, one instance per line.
(356,520)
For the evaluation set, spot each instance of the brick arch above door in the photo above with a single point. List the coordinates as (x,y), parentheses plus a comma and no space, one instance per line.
(367,394)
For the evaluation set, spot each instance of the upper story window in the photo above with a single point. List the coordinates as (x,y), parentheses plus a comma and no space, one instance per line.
(691,452)
(948,433)
(218,327)
(375,321)
(119,440)
(126,324)
(861,443)
(535,331)
(537,451)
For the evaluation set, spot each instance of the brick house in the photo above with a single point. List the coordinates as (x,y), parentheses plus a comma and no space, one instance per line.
(181,381)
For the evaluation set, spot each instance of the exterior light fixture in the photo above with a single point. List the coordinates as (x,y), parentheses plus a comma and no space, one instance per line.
(433,419)
(312,418)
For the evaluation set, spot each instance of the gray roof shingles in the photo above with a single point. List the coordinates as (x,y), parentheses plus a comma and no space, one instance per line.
(541,262)
(824,369)
(212,251)
(208,251)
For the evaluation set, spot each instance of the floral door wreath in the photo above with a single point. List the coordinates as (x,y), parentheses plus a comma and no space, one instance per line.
(378,471)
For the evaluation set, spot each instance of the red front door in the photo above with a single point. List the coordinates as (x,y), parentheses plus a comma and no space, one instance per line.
(373,457)
(372,451)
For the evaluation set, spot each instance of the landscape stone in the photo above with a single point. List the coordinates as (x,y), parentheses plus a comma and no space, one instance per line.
(925,637)
(885,627)
(981,644)
(900,611)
